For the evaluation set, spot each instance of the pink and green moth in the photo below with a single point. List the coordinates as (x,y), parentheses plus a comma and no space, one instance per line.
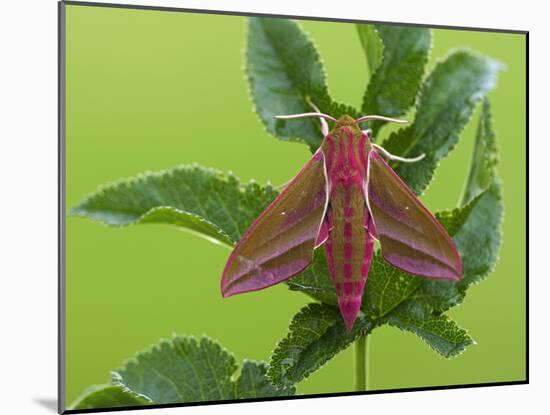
(345,198)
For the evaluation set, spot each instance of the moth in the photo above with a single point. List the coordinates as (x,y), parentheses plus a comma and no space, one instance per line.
(344,199)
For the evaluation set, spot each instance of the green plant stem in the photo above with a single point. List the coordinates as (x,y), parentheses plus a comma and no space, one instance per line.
(361,363)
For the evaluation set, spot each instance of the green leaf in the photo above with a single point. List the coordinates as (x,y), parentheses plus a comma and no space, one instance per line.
(316,334)
(448,98)
(186,370)
(202,200)
(386,288)
(372,45)
(181,370)
(484,157)
(479,237)
(109,396)
(284,69)
(394,85)
(440,332)
(254,383)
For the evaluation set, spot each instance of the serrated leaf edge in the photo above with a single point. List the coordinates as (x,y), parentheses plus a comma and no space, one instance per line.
(95,388)
(286,339)
(416,98)
(326,87)
(459,348)
(439,62)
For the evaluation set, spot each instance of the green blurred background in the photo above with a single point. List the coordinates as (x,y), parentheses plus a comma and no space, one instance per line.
(147,90)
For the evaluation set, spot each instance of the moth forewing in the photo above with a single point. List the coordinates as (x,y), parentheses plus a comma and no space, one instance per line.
(411,238)
(280,242)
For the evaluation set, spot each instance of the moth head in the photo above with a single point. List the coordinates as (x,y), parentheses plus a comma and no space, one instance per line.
(345,127)
(344,121)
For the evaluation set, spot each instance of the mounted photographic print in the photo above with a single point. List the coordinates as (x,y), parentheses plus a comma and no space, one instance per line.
(279,207)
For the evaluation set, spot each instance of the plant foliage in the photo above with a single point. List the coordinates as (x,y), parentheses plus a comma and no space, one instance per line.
(182,369)
(285,71)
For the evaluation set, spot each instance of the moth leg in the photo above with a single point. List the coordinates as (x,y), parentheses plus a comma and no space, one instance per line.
(324,232)
(390,156)
(324,125)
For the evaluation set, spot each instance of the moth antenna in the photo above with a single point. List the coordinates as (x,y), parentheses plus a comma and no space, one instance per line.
(324,125)
(305,115)
(390,156)
(379,117)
